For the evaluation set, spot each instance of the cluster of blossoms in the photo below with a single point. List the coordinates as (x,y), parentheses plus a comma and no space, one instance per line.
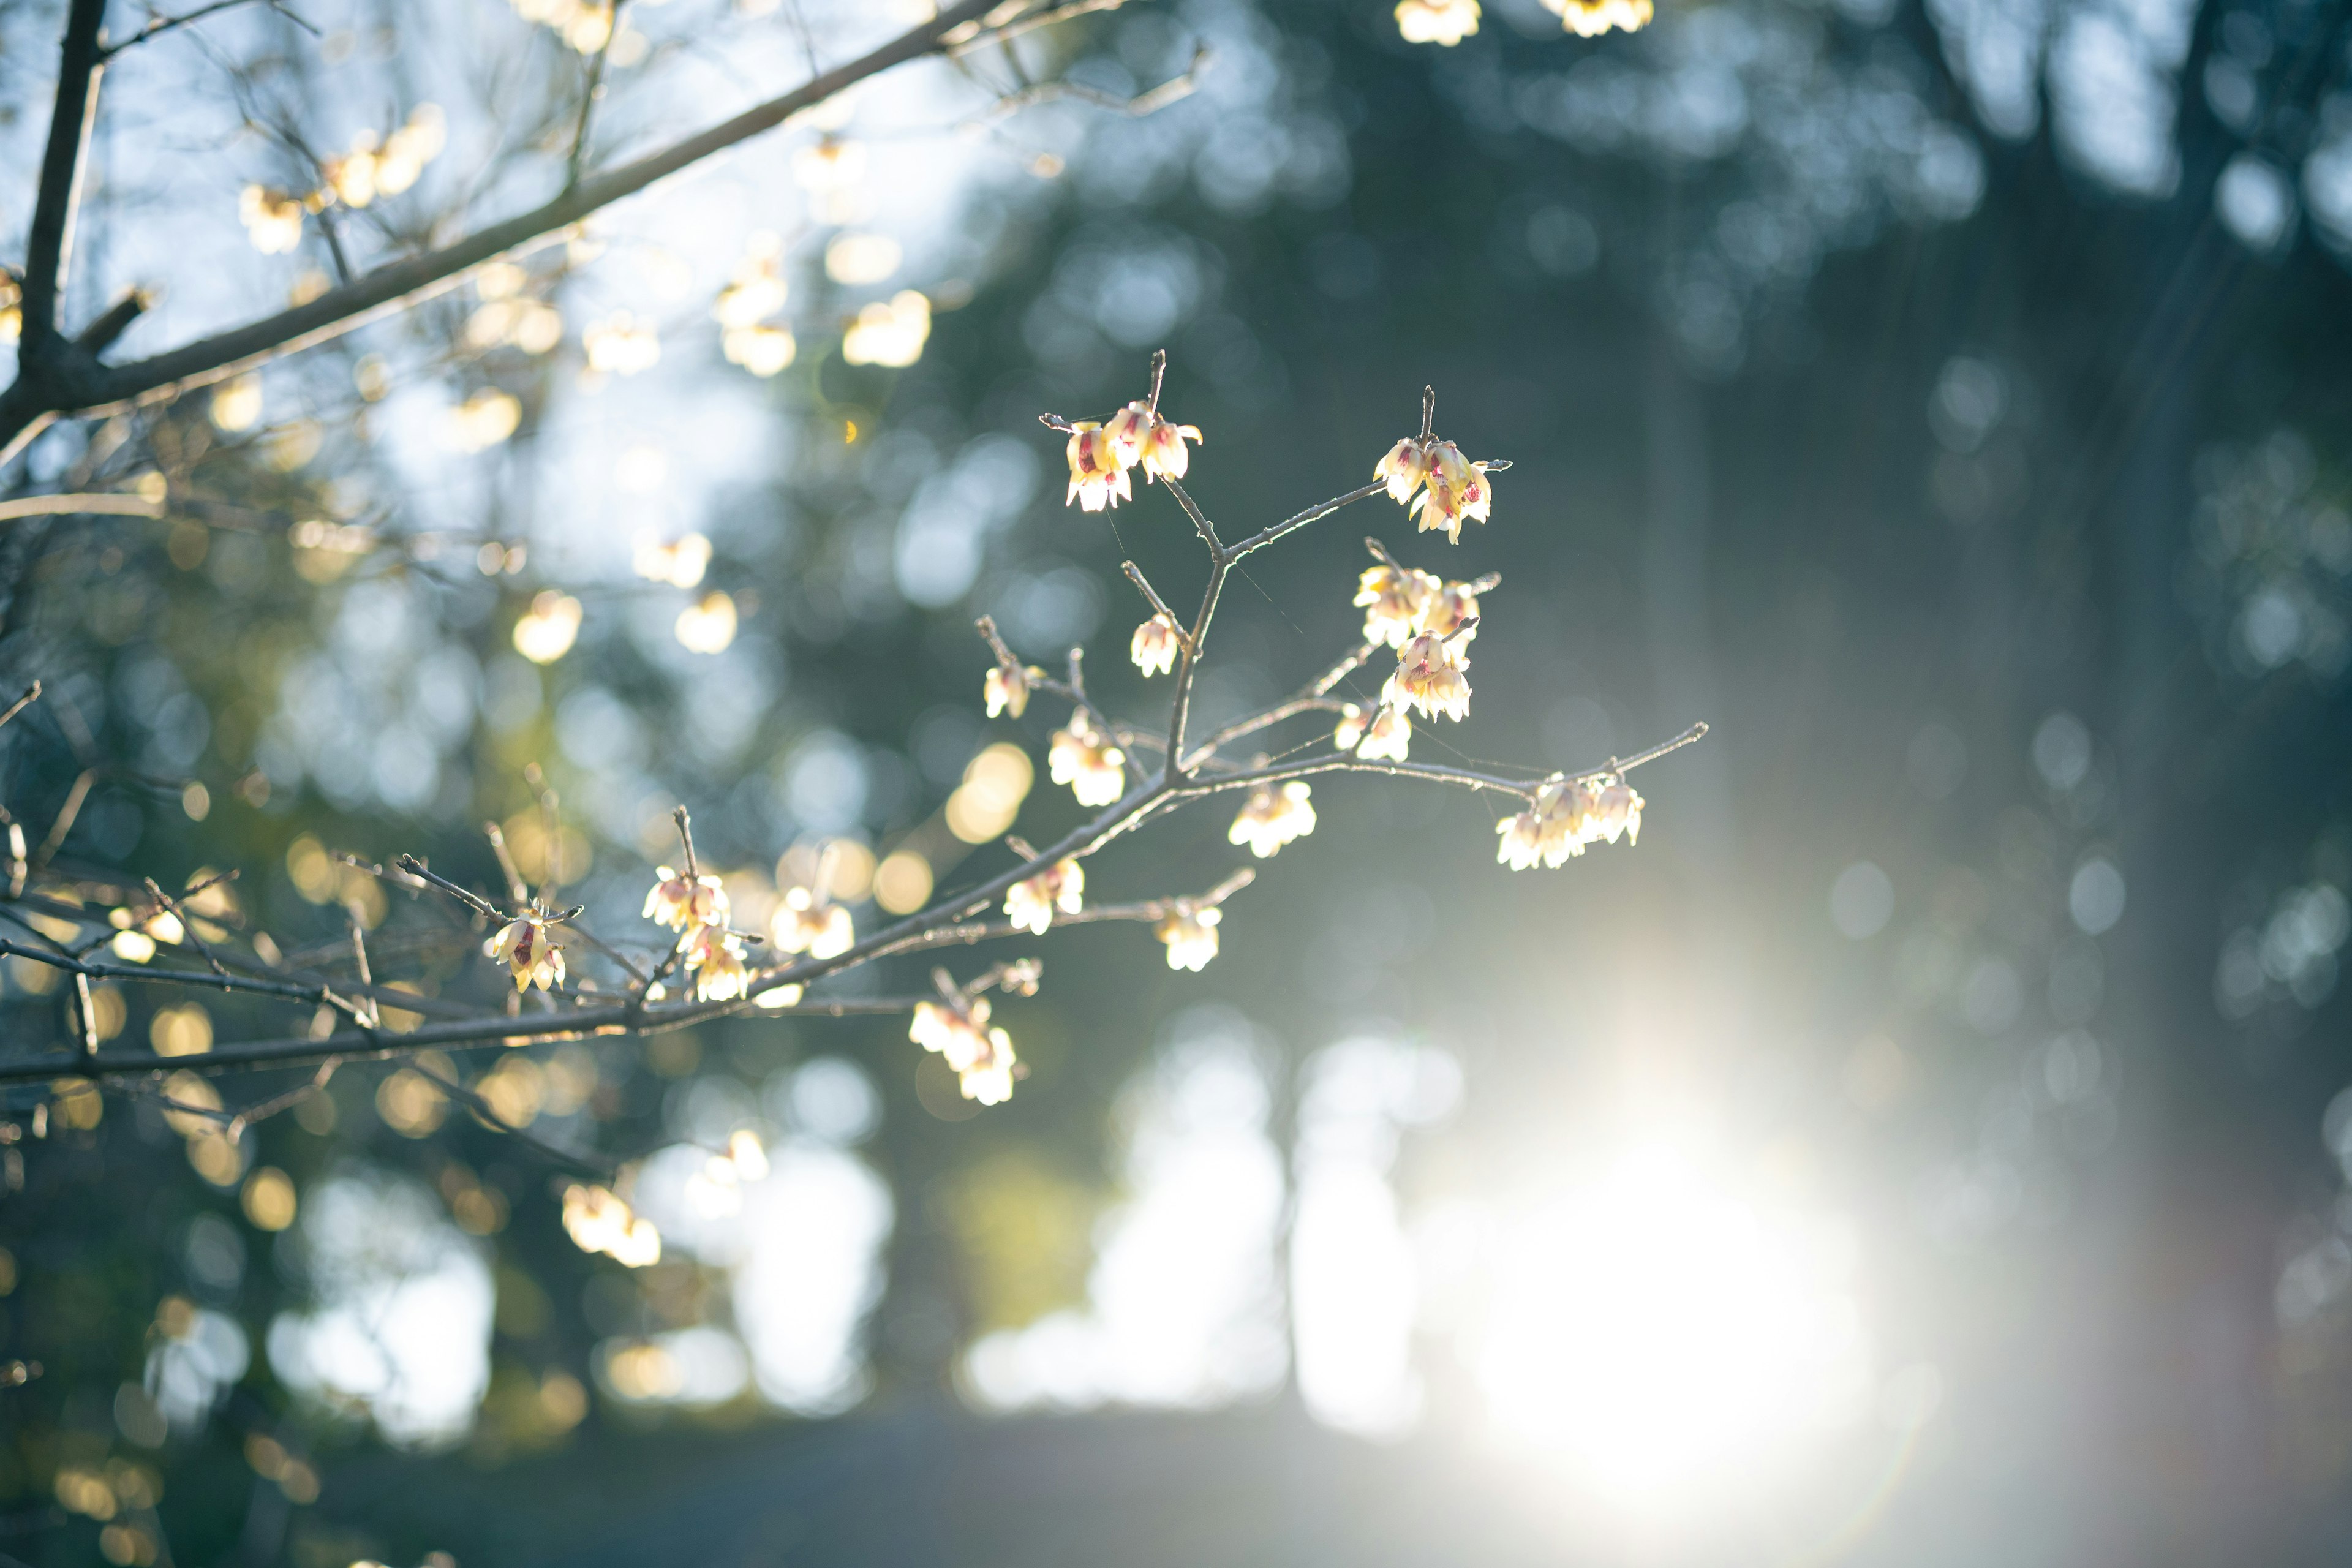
(531,947)
(374,166)
(979,1054)
(696,907)
(1190,930)
(806,921)
(1273,816)
(1088,761)
(1567,815)
(1448,22)
(1030,904)
(598,1221)
(1434,482)
(1430,622)
(1102,451)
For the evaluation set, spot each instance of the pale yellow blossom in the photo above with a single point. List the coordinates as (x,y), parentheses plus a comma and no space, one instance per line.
(682,902)
(891,334)
(715,958)
(1449,610)
(1591,18)
(1154,647)
(620,344)
(1190,930)
(1031,903)
(1086,759)
(1353,722)
(1141,434)
(1404,467)
(1618,810)
(805,921)
(1393,600)
(272,219)
(597,1221)
(1274,816)
(1431,677)
(1007,688)
(1446,22)
(1098,476)
(1388,739)
(981,1056)
(1456,488)
(531,947)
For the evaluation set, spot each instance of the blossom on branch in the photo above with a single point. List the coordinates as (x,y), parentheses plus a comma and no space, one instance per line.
(1139,433)
(804,921)
(1618,810)
(1429,677)
(1085,758)
(1456,489)
(679,902)
(1591,18)
(531,946)
(1406,465)
(1351,728)
(1190,930)
(1394,599)
(1273,817)
(1446,22)
(1007,686)
(1388,739)
(272,219)
(1567,815)
(981,1057)
(597,1221)
(1097,473)
(1154,646)
(1030,904)
(1449,610)
(715,958)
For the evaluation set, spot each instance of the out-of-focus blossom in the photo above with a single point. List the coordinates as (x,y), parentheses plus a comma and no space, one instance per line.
(830,164)
(409,147)
(1446,22)
(1456,488)
(804,921)
(1097,476)
(1007,686)
(680,564)
(682,902)
(1190,930)
(1618,810)
(1393,601)
(597,1221)
(1272,818)
(531,947)
(715,958)
(764,350)
(981,1056)
(1031,903)
(758,289)
(1565,816)
(1154,647)
(1139,434)
(708,624)
(1351,729)
(1086,759)
(891,334)
(1431,677)
(1451,608)
(620,344)
(236,403)
(546,631)
(485,418)
(272,219)
(1591,18)
(855,259)
(1388,739)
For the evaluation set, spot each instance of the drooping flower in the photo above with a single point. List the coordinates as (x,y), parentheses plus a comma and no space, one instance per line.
(1564,818)
(1388,740)
(679,902)
(1618,809)
(1190,930)
(272,219)
(1406,465)
(1154,646)
(1393,601)
(1351,728)
(1591,18)
(1446,22)
(1098,476)
(1456,489)
(1272,818)
(804,921)
(1449,609)
(715,958)
(1085,758)
(1029,904)
(1429,677)
(1141,434)
(531,947)
(981,1057)
(1007,686)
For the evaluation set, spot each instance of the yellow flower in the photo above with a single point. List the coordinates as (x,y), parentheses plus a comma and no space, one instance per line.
(1154,646)
(1389,738)
(1351,728)
(715,958)
(1457,489)
(597,1221)
(678,901)
(1393,601)
(1272,818)
(1448,610)
(532,948)
(1007,688)
(979,1056)
(1591,18)
(1429,677)
(804,922)
(620,344)
(1083,758)
(1618,810)
(1564,819)
(1190,932)
(1139,434)
(1029,904)
(272,219)
(1098,476)
(1406,465)
(1446,22)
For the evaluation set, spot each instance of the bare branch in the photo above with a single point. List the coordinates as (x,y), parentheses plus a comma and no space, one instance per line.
(48,251)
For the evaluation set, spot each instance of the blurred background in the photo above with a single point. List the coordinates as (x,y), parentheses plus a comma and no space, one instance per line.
(1923,1148)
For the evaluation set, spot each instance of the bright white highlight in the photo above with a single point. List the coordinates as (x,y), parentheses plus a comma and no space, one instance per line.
(1184,1306)
(402,1323)
(1664,1334)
